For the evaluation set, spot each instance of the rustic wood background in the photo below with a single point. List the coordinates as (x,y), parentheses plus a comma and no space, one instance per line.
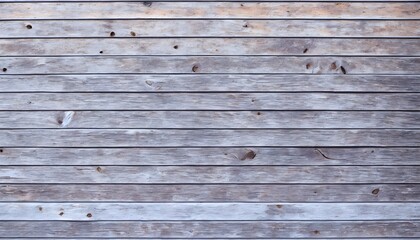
(209,120)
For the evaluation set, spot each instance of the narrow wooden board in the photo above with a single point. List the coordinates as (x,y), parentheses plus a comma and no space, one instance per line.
(210,10)
(209,193)
(209,138)
(211,229)
(209,175)
(209,156)
(209,83)
(209,101)
(210,64)
(209,28)
(208,119)
(210,46)
(209,211)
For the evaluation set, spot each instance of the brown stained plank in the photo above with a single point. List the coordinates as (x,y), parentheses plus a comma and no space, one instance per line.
(209,174)
(209,156)
(211,64)
(209,211)
(209,229)
(208,119)
(209,101)
(170,10)
(210,138)
(210,193)
(209,28)
(209,83)
(210,46)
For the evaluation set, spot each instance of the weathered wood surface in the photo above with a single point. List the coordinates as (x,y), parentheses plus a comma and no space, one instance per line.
(209,101)
(209,211)
(209,28)
(210,193)
(209,175)
(209,156)
(210,64)
(206,137)
(212,229)
(210,46)
(208,119)
(209,83)
(213,10)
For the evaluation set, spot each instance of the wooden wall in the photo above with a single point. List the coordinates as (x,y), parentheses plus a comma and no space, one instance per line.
(209,120)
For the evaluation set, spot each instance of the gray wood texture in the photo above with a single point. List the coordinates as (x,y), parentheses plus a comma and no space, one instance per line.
(209,28)
(209,83)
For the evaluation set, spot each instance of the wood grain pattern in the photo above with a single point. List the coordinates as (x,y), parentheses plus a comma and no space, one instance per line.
(210,229)
(209,211)
(209,83)
(209,101)
(210,193)
(213,10)
(208,119)
(210,46)
(210,138)
(209,28)
(209,175)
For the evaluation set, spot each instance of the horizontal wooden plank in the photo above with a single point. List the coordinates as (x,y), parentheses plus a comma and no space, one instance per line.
(209,156)
(209,211)
(209,229)
(209,28)
(210,175)
(216,10)
(210,138)
(210,193)
(209,83)
(210,64)
(209,101)
(208,119)
(210,46)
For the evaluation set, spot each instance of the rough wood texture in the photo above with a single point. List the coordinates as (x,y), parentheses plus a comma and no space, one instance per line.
(210,138)
(211,229)
(210,46)
(209,28)
(212,10)
(210,193)
(209,211)
(209,83)
(210,175)
(209,156)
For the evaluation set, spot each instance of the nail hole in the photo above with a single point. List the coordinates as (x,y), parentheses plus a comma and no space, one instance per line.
(279,206)
(308,66)
(317,232)
(195,68)
(89,215)
(252,100)
(112,34)
(61,213)
(147,4)
(375,191)
(245,25)
(1,150)
(133,34)
(372,151)
(258,113)
(343,70)
(315,192)
(4,69)
(60,121)
(304,51)
(176,46)
(101,52)
(29,102)
(40,209)
(29,26)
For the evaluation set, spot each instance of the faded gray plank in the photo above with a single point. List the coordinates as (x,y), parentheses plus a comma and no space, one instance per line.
(213,46)
(209,28)
(210,156)
(209,211)
(210,64)
(211,138)
(209,101)
(208,119)
(209,175)
(209,229)
(208,83)
(168,10)
(210,193)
